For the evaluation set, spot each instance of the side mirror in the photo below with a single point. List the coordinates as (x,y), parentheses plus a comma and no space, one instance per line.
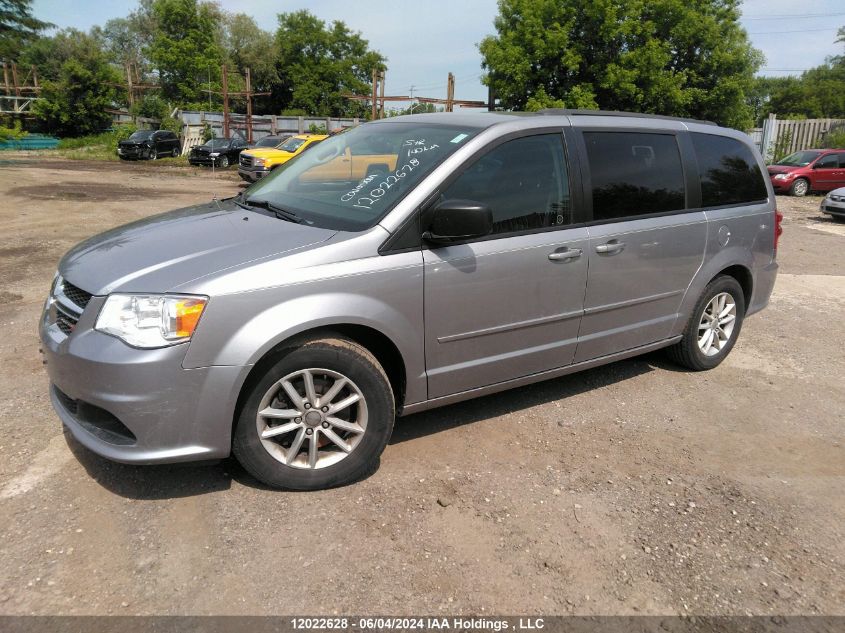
(456,220)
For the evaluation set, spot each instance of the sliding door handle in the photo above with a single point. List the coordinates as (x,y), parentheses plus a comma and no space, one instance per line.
(613,246)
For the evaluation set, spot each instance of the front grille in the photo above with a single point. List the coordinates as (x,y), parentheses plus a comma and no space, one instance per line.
(76,294)
(65,322)
(246,160)
(69,303)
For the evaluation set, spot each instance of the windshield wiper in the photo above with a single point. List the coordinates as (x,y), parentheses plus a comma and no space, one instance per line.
(279,212)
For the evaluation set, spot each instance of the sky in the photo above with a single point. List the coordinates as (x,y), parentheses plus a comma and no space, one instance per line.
(424,41)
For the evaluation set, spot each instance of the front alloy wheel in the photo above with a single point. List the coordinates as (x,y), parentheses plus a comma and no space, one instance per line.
(312,418)
(223,162)
(317,415)
(800,188)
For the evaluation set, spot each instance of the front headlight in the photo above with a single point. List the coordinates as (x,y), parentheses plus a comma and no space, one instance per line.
(214,154)
(781,176)
(151,320)
(258,162)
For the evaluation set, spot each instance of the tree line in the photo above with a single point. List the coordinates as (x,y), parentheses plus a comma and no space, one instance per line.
(687,58)
(179,46)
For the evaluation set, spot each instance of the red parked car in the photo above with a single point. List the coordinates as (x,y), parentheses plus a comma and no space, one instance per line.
(809,170)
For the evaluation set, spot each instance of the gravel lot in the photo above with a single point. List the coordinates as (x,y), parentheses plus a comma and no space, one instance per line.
(631,488)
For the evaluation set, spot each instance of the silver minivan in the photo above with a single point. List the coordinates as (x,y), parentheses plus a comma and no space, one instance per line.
(406,264)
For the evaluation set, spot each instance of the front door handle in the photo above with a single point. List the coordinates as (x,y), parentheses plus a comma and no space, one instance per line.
(613,246)
(565,254)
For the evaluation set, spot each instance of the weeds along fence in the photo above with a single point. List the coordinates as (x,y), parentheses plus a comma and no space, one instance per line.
(779,137)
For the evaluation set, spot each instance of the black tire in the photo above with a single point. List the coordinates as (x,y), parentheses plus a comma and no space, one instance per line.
(223,162)
(335,354)
(152,154)
(175,152)
(800,188)
(687,352)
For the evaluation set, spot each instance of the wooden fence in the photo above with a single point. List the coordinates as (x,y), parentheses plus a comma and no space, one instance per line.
(779,137)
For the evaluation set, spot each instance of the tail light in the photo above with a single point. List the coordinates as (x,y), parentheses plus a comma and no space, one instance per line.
(778,227)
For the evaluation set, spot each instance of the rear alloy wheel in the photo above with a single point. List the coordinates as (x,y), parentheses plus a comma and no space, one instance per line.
(799,188)
(175,152)
(320,417)
(713,327)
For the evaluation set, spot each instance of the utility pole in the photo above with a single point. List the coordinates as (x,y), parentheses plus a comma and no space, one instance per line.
(129,88)
(225,102)
(381,96)
(375,94)
(15,79)
(248,107)
(450,92)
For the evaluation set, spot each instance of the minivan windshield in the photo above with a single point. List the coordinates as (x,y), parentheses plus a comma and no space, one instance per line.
(350,181)
(141,135)
(799,159)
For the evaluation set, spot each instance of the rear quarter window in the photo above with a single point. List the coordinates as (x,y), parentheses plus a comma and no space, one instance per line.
(728,171)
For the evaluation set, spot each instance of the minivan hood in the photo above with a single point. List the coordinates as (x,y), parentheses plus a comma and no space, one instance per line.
(268,152)
(162,252)
(781,169)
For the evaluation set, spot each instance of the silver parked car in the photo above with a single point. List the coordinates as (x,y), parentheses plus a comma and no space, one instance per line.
(406,264)
(833,204)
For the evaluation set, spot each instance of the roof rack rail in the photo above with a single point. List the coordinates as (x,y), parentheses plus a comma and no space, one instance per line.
(639,115)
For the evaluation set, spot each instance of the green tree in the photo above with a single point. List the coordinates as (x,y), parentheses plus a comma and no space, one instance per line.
(817,93)
(185,48)
(317,63)
(675,57)
(49,54)
(18,27)
(246,45)
(75,103)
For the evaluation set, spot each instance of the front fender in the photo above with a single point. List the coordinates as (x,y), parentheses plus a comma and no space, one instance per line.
(239,329)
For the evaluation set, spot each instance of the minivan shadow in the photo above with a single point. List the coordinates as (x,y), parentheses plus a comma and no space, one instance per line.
(166,481)
(450,417)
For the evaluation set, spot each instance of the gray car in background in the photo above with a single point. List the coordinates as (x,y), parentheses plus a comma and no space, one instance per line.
(406,264)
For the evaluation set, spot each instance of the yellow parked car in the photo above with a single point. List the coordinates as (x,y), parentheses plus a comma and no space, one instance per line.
(256,163)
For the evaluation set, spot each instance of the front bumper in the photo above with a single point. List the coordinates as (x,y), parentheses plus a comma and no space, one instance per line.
(782,186)
(203,160)
(252,174)
(137,406)
(833,208)
(133,152)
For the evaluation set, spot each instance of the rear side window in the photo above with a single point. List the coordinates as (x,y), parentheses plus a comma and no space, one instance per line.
(634,173)
(728,171)
(524,183)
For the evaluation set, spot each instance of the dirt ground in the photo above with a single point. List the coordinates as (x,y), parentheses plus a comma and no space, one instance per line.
(631,488)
